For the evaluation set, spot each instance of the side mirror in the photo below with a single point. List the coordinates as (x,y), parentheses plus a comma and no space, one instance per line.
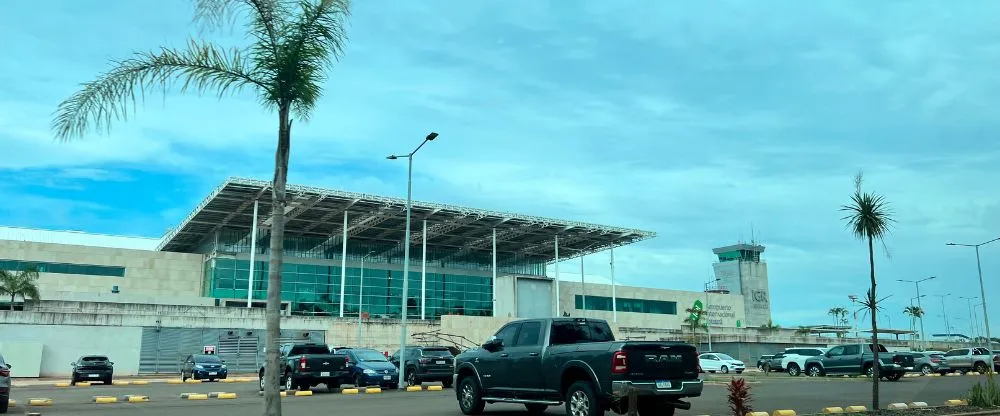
(72,364)
(111,362)
(223,361)
(493,344)
(9,366)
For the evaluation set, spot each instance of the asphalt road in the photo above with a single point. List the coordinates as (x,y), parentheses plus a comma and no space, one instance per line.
(802,394)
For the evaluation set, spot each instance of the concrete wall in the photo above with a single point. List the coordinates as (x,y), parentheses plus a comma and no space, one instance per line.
(147,273)
(723,310)
(63,344)
(756,293)
(27,355)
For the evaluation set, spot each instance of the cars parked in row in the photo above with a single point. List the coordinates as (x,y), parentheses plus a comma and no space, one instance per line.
(976,359)
(5,385)
(794,360)
(927,362)
(576,362)
(92,368)
(853,359)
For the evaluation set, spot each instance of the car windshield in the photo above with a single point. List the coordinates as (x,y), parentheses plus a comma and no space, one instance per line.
(436,353)
(94,358)
(211,359)
(369,356)
(725,357)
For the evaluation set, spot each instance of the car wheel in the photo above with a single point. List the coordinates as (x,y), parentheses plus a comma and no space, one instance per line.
(925,369)
(359,381)
(724,370)
(581,401)
(794,370)
(470,400)
(814,371)
(411,377)
(869,371)
(289,383)
(4,403)
(261,378)
(981,368)
(536,409)
(943,373)
(894,376)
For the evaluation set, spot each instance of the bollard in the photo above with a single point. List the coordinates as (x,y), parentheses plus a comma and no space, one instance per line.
(832,410)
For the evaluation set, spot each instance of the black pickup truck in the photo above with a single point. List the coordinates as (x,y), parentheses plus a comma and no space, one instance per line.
(857,359)
(307,365)
(576,362)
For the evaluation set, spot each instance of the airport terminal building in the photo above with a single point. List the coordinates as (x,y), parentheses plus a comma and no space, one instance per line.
(343,263)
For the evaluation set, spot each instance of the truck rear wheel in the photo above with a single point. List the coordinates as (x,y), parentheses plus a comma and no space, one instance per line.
(470,399)
(581,401)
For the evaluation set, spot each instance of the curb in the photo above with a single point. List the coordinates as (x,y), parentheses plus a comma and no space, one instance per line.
(104,399)
(194,396)
(129,398)
(40,402)
(222,395)
(435,388)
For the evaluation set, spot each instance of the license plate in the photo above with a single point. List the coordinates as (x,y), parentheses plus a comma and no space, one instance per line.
(663,384)
(324,374)
(93,375)
(439,362)
(212,373)
(387,378)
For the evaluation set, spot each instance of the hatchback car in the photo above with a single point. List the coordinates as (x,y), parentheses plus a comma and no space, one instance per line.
(929,362)
(204,367)
(92,367)
(713,362)
(370,368)
(4,385)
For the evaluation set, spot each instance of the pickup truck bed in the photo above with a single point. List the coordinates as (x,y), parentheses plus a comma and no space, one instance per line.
(576,362)
(308,365)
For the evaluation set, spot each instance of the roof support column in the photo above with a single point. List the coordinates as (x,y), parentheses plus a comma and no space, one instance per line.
(423,275)
(253,252)
(343,267)
(614,298)
(583,289)
(557,277)
(494,285)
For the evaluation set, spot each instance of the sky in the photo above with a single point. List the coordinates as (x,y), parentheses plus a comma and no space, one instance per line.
(707,122)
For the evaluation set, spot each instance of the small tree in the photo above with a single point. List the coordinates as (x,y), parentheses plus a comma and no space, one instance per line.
(740,400)
(803,331)
(694,321)
(23,283)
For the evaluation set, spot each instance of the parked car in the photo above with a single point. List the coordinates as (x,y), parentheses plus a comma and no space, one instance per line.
(306,365)
(794,360)
(859,359)
(578,363)
(4,385)
(92,367)
(713,362)
(762,360)
(426,364)
(976,359)
(774,364)
(370,368)
(928,362)
(204,367)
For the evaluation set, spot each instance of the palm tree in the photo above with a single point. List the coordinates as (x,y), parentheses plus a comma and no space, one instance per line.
(838,314)
(22,283)
(694,321)
(295,43)
(914,312)
(869,220)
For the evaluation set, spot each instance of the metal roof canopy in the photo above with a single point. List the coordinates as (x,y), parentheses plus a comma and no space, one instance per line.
(319,212)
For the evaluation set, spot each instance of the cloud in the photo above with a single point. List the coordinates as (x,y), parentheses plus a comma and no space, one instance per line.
(698,122)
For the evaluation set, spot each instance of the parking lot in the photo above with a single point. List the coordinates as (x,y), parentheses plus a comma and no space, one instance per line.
(805,395)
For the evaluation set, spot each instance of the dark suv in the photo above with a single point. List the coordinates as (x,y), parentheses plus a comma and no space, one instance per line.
(426,364)
(4,385)
(92,367)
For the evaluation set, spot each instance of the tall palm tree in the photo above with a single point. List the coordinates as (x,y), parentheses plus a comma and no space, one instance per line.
(915,313)
(869,219)
(694,320)
(294,44)
(23,283)
(837,313)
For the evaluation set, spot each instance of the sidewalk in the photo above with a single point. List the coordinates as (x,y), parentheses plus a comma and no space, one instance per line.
(156,378)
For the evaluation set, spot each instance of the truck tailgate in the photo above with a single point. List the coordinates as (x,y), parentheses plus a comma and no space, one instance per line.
(321,363)
(661,361)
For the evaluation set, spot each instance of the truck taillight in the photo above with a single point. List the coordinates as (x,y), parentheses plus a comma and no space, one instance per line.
(302,362)
(698,358)
(4,372)
(619,363)
(425,361)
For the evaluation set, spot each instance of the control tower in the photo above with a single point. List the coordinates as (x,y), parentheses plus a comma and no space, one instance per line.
(741,271)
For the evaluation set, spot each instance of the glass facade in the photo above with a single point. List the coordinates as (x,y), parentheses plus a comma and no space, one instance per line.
(63,268)
(603,303)
(315,289)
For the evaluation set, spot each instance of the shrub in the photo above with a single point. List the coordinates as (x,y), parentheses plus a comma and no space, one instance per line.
(739,397)
(987,395)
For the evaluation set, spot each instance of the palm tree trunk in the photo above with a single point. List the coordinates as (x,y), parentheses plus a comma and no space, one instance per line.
(874,313)
(11,301)
(272,400)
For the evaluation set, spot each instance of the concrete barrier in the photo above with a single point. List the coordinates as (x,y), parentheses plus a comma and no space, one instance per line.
(40,402)
(373,390)
(833,410)
(83,384)
(349,391)
(282,394)
(435,388)
(104,399)
(414,388)
(194,396)
(855,409)
(956,402)
(11,403)
(120,383)
(897,406)
(192,381)
(130,398)
(226,396)
(175,381)
(140,382)
(301,393)
(62,384)
(783,412)
(757,414)
(917,405)
(934,375)
(972,373)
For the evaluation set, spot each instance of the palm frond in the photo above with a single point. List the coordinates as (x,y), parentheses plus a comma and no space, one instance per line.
(113,96)
(314,42)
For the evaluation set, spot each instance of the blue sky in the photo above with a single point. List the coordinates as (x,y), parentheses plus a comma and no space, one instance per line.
(697,120)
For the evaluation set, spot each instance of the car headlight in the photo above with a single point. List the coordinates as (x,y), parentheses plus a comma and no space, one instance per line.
(223,366)
(199,367)
(369,372)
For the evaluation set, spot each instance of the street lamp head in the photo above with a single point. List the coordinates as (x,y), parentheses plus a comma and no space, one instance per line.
(392,157)
(432,136)
(951,244)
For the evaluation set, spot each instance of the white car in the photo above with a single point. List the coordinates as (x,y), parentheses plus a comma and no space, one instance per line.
(795,358)
(713,362)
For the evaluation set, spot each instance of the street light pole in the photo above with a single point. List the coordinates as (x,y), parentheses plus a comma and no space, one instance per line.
(982,289)
(923,335)
(972,319)
(406,250)
(854,310)
(944,311)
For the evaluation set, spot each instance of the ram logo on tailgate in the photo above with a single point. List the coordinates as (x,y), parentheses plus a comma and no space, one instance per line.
(664,358)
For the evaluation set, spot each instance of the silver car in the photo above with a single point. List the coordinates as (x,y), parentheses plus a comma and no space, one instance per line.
(929,362)
(4,385)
